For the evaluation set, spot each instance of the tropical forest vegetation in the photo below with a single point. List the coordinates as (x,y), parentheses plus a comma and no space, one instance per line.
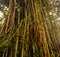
(29,28)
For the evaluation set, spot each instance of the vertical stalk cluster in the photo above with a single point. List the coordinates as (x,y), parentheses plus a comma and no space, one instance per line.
(29,31)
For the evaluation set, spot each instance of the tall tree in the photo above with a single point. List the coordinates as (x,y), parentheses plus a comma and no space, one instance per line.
(28,30)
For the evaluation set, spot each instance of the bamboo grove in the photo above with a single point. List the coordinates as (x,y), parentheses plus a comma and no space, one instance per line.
(28,30)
